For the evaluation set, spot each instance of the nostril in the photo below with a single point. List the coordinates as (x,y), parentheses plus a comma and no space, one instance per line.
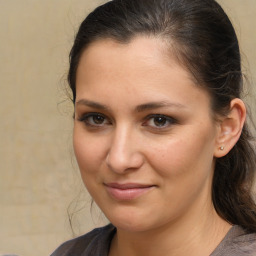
(120,163)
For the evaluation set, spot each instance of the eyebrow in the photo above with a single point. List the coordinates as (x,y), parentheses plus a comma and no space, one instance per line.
(139,108)
(92,104)
(156,105)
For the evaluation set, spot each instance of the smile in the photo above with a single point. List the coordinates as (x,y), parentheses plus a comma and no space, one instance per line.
(128,191)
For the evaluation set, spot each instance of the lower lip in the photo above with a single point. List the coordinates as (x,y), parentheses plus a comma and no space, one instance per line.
(127,194)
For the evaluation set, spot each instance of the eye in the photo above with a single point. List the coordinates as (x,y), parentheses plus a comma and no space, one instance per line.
(159,121)
(94,119)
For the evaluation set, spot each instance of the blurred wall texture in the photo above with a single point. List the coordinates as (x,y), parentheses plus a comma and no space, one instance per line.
(38,174)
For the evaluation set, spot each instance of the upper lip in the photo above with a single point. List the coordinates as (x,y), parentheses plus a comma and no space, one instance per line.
(127,185)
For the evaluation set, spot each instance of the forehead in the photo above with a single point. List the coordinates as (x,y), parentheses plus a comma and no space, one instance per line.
(141,47)
(143,66)
(141,53)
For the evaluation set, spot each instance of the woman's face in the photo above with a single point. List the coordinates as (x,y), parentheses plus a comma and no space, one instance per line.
(144,138)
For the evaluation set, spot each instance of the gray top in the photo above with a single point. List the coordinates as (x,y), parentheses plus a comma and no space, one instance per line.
(237,242)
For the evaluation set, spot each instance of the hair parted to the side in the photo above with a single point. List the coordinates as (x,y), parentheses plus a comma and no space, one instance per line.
(200,35)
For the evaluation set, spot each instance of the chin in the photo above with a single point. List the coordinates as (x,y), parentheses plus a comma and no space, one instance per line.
(131,226)
(130,221)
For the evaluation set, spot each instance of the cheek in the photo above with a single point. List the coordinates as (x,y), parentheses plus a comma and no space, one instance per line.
(89,152)
(188,153)
(185,166)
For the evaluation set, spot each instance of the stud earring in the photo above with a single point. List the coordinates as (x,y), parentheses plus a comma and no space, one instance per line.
(221,148)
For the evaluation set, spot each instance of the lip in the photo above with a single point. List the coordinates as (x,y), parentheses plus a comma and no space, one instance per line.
(127,191)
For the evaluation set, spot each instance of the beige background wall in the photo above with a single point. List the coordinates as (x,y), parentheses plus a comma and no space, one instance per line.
(38,175)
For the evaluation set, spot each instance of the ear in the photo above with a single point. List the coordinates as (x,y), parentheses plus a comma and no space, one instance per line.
(230,128)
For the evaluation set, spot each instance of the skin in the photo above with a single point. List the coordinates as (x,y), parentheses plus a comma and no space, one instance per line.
(128,86)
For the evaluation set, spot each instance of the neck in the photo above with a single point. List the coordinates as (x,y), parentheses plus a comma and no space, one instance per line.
(198,236)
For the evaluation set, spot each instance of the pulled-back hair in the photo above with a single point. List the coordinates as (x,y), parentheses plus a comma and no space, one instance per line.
(200,35)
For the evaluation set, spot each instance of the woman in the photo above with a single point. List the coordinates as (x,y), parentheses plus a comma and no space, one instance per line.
(159,131)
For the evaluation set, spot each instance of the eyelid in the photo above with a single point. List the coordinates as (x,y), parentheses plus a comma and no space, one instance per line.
(84,118)
(169,119)
(81,117)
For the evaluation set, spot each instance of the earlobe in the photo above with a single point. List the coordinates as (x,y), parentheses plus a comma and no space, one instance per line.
(230,128)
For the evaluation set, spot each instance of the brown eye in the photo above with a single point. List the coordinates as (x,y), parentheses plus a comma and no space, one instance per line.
(159,121)
(94,120)
(98,119)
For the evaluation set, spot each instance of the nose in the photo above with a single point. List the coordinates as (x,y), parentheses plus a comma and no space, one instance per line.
(124,152)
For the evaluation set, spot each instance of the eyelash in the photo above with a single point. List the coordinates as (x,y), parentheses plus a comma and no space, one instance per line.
(89,120)
(86,119)
(167,121)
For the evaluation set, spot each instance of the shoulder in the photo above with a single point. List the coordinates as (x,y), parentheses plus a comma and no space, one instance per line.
(238,242)
(97,242)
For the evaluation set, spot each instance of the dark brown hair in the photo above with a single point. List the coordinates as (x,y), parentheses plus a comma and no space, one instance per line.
(201,36)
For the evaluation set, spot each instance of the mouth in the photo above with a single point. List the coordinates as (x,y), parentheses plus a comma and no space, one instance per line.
(127,191)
